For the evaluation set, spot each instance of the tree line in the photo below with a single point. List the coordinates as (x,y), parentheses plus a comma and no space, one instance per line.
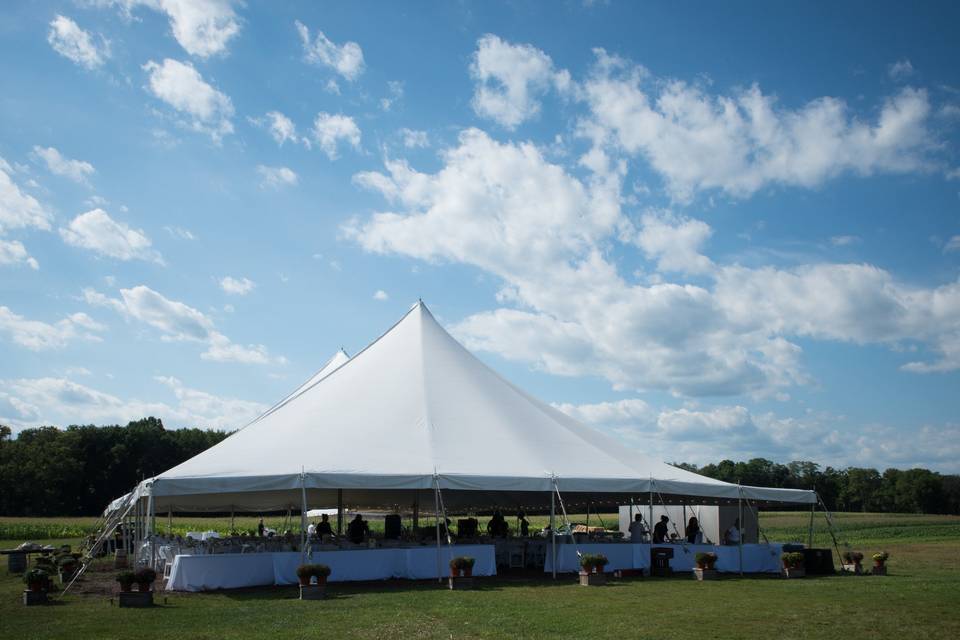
(78,470)
(850,489)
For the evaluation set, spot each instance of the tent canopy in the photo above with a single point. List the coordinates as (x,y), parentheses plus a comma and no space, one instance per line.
(414,411)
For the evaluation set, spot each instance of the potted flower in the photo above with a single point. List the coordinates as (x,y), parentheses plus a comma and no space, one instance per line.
(321,572)
(591,569)
(880,563)
(144,578)
(37,580)
(852,562)
(705,560)
(304,573)
(67,566)
(126,580)
(792,564)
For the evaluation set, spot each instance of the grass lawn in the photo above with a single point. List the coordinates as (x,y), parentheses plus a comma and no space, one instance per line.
(919,598)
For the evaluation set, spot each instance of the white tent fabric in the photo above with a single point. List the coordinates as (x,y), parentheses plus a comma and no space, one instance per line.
(412,411)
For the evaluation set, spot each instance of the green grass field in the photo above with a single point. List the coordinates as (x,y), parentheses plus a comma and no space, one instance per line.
(919,598)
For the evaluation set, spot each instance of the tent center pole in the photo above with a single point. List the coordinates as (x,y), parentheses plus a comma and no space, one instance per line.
(553,535)
(813,508)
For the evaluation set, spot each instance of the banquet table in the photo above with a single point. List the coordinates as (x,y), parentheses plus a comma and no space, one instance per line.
(236,570)
(757,558)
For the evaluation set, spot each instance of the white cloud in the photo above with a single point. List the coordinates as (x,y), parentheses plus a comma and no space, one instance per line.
(742,142)
(900,70)
(276,177)
(734,432)
(413,139)
(18,209)
(503,208)
(843,241)
(178,322)
(77,170)
(98,232)
(510,79)
(345,59)
(329,129)
(380,294)
(69,40)
(180,232)
(202,27)
(395,91)
(13,252)
(41,336)
(237,286)
(953,244)
(674,242)
(182,87)
(31,402)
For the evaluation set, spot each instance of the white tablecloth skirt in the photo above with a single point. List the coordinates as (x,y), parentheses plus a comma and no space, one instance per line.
(757,558)
(235,570)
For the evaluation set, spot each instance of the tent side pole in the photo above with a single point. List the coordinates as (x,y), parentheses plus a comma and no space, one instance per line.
(650,519)
(740,525)
(813,508)
(169,522)
(149,526)
(339,512)
(553,535)
(436,513)
(304,540)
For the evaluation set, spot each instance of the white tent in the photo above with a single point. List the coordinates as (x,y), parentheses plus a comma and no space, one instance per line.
(412,413)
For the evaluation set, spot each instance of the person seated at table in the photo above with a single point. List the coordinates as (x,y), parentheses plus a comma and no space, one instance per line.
(524,525)
(732,536)
(638,531)
(694,533)
(260,527)
(323,527)
(660,530)
(357,530)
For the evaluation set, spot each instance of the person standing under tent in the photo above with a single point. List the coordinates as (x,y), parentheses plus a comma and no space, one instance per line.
(694,533)
(260,527)
(311,531)
(660,530)
(358,529)
(732,536)
(638,530)
(524,525)
(323,527)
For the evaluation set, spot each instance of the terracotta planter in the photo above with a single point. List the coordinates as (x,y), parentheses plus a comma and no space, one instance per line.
(879,563)
(304,581)
(36,587)
(321,580)
(467,572)
(454,573)
(126,587)
(143,587)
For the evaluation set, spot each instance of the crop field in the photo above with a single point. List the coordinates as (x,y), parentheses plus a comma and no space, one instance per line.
(918,599)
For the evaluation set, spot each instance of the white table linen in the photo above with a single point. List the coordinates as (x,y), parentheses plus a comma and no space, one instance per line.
(235,570)
(757,558)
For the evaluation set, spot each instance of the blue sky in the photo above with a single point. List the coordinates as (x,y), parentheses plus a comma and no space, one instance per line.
(710,230)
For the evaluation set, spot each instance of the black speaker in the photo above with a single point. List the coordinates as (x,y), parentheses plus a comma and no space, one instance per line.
(391,527)
(467,528)
(818,562)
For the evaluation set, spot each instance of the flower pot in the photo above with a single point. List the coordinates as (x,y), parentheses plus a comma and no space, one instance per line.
(143,587)
(36,586)
(467,572)
(126,587)
(454,573)
(304,581)
(321,580)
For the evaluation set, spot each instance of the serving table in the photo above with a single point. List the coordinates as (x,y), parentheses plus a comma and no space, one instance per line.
(236,570)
(757,558)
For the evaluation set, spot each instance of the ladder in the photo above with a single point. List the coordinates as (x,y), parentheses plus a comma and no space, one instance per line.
(110,524)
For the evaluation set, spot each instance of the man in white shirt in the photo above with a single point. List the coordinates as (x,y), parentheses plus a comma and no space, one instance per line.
(637,530)
(733,533)
(311,530)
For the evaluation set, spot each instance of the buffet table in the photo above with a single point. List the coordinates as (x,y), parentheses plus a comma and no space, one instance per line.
(236,570)
(757,558)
